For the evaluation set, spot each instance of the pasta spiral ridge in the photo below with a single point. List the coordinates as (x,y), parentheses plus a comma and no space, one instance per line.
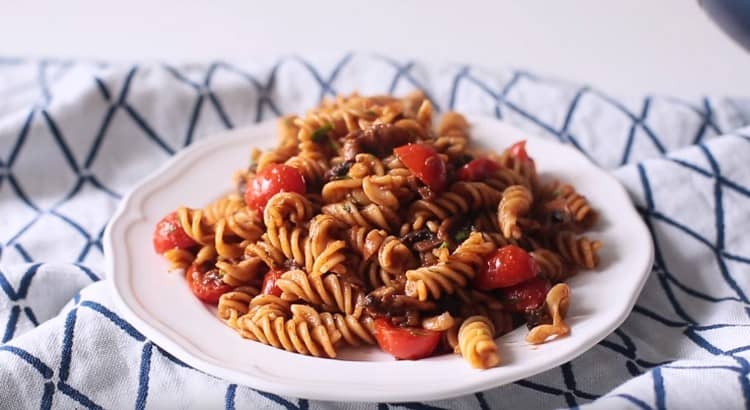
(371,215)
(578,206)
(243,272)
(551,265)
(516,202)
(476,343)
(461,198)
(580,251)
(195,225)
(452,273)
(328,292)
(392,255)
(236,303)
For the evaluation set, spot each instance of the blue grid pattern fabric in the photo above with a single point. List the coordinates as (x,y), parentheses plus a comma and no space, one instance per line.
(76,136)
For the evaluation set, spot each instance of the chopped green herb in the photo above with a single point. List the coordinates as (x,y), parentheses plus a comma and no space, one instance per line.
(321,133)
(371,113)
(443,245)
(461,235)
(222,273)
(556,193)
(347,208)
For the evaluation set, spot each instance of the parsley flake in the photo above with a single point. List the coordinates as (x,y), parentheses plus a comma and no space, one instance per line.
(321,133)
(461,235)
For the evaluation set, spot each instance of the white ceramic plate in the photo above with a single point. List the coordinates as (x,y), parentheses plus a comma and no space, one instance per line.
(161,306)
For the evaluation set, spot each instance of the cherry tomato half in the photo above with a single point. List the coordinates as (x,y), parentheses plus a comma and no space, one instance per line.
(526,296)
(478,169)
(518,150)
(405,343)
(269,286)
(169,235)
(508,266)
(425,163)
(270,181)
(207,285)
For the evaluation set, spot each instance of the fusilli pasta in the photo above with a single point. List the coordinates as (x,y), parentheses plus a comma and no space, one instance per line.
(367,223)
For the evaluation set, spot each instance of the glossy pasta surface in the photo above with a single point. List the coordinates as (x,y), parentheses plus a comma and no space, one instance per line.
(374,236)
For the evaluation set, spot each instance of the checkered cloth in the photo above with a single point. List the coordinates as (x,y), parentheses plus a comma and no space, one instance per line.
(76,136)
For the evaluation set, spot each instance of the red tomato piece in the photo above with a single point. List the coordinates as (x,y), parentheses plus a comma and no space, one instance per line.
(405,343)
(207,285)
(526,296)
(478,169)
(169,235)
(269,286)
(508,266)
(270,181)
(518,150)
(425,163)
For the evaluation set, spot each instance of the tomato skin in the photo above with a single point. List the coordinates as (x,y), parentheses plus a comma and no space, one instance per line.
(507,266)
(270,181)
(169,234)
(518,150)
(526,296)
(425,163)
(269,286)
(405,343)
(206,285)
(478,169)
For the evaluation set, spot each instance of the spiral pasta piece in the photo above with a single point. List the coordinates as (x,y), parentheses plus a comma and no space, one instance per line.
(236,303)
(453,124)
(476,343)
(328,292)
(392,255)
(370,216)
(270,255)
(282,215)
(313,169)
(195,225)
(244,223)
(504,178)
(557,302)
(365,165)
(223,207)
(385,190)
(338,190)
(243,272)
(551,265)
(578,206)
(341,329)
(580,251)
(516,202)
(461,198)
(451,274)
(292,335)
(179,258)
(270,306)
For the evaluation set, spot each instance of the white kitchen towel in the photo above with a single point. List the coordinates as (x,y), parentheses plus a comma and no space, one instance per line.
(76,136)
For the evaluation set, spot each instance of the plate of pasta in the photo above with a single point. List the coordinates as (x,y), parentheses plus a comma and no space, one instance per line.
(373,250)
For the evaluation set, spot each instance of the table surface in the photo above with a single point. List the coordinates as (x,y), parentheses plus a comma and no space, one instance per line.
(624,47)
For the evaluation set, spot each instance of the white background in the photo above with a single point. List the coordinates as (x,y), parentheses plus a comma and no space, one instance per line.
(624,47)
